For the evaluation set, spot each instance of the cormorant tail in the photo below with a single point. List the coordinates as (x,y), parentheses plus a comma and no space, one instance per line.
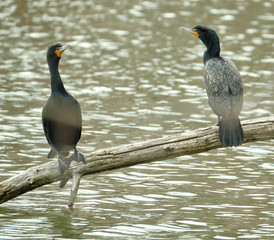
(230,131)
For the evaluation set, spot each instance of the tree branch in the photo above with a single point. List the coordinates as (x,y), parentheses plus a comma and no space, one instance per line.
(191,142)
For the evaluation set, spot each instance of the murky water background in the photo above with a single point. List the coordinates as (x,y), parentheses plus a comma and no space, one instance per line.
(136,77)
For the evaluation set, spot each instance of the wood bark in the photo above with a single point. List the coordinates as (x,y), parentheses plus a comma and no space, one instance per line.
(191,142)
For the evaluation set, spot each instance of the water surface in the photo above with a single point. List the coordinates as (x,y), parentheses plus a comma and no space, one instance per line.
(137,78)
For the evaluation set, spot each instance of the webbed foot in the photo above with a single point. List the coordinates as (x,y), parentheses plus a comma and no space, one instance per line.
(79,157)
(219,121)
(52,153)
(63,164)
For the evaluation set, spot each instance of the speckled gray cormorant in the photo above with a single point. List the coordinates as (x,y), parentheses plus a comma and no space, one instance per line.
(223,85)
(61,116)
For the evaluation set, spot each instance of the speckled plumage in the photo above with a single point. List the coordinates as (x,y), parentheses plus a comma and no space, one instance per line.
(225,96)
(224,86)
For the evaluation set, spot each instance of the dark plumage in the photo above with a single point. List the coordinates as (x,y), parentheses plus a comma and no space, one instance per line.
(61,116)
(223,85)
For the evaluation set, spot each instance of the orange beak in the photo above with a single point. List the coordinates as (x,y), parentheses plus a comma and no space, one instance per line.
(190,30)
(60,50)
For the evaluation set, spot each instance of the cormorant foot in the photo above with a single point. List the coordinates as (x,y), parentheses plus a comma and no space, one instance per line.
(63,164)
(78,157)
(63,182)
(51,154)
(81,158)
(217,124)
(219,121)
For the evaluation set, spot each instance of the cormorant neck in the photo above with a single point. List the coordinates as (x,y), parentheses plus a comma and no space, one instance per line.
(56,81)
(213,49)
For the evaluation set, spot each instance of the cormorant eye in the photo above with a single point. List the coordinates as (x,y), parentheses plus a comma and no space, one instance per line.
(57,48)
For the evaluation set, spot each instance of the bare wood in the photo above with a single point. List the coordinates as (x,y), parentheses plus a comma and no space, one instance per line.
(191,142)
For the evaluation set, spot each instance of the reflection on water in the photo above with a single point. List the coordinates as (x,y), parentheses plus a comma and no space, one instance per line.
(136,77)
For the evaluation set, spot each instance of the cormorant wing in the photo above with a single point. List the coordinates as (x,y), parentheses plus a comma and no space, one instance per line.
(62,122)
(223,86)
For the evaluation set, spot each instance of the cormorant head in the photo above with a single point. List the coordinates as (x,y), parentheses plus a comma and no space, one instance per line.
(207,35)
(55,51)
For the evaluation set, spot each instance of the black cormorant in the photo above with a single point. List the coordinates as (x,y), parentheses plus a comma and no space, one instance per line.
(223,85)
(61,116)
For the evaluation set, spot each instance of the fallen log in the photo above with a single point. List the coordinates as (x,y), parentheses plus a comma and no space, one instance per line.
(191,142)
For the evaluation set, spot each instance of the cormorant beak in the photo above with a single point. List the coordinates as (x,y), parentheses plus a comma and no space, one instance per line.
(61,50)
(190,30)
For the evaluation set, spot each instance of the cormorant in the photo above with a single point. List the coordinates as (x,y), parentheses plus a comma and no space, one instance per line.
(223,85)
(61,116)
